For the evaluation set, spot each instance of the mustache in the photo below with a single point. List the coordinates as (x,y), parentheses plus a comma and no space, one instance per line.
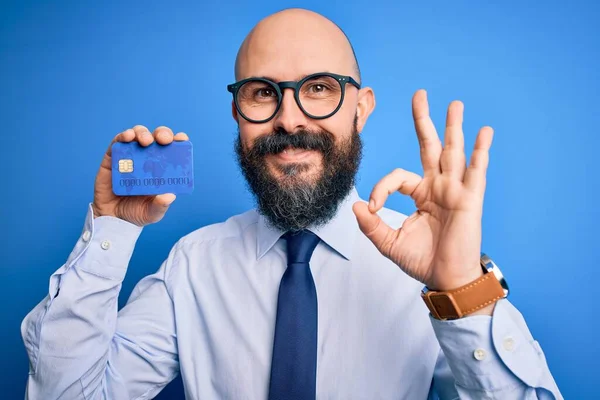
(278,141)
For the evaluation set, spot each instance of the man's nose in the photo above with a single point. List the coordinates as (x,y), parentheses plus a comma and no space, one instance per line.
(289,117)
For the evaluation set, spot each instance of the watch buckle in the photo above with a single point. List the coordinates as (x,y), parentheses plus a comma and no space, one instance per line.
(441,305)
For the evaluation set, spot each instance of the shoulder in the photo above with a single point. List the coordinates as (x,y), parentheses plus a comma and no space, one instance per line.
(197,252)
(212,243)
(233,228)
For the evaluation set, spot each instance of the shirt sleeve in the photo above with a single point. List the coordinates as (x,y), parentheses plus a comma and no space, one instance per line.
(490,357)
(79,345)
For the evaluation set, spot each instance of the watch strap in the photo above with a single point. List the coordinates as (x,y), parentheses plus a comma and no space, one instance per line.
(464,300)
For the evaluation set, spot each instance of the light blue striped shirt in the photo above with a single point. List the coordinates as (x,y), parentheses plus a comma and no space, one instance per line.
(209,314)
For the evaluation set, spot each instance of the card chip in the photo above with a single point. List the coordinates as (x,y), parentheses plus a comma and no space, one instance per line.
(125,166)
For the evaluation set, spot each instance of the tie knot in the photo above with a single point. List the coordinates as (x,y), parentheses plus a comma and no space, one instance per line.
(300,246)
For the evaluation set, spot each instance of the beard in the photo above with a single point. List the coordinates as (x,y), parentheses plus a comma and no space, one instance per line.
(291,202)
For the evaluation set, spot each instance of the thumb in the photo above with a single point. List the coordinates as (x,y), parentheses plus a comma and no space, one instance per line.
(160,204)
(374,228)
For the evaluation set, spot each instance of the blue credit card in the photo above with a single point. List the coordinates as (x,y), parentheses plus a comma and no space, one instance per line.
(151,170)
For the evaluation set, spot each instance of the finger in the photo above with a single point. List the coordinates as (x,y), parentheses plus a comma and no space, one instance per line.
(429,142)
(159,206)
(163,135)
(475,175)
(374,228)
(399,180)
(142,135)
(180,137)
(125,136)
(453,158)
(164,200)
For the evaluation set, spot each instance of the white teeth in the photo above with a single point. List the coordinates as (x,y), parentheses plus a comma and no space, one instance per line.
(291,151)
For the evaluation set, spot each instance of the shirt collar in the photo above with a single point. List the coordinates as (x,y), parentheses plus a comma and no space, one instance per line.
(339,233)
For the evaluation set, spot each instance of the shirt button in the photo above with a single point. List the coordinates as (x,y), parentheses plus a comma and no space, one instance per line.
(509,344)
(105,245)
(479,354)
(86,236)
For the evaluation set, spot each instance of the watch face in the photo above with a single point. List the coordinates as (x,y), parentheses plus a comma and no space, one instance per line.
(490,266)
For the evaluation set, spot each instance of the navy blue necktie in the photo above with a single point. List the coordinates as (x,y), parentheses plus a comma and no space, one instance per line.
(294,366)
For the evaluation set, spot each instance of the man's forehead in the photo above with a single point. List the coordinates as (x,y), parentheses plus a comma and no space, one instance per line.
(291,67)
(291,45)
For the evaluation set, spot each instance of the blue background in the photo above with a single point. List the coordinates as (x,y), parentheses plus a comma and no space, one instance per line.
(73,74)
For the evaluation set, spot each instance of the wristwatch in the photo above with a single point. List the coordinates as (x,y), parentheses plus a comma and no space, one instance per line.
(457,303)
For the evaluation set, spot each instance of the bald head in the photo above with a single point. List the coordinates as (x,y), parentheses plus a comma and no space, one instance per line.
(293,43)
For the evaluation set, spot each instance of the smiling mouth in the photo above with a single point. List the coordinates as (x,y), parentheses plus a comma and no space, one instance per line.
(292,154)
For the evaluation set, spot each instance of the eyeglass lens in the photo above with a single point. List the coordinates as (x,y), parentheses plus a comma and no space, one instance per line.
(319,97)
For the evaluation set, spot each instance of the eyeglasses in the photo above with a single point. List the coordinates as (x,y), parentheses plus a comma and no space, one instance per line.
(319,96)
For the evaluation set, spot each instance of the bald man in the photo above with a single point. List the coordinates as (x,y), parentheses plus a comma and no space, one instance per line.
(315,293)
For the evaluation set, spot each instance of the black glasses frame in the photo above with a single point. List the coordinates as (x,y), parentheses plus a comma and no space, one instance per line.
(295,86)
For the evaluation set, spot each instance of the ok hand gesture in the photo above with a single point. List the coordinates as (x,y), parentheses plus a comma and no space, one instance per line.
(440,243)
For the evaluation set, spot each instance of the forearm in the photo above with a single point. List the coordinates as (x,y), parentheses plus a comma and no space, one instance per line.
(67,335)
(495,356)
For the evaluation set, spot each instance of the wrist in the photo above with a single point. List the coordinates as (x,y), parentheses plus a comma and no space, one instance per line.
(447,283)
(487,310)
(101,212)
(477,297)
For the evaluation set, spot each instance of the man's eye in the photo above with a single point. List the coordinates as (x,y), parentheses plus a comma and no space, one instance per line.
(265,93)
(317,88)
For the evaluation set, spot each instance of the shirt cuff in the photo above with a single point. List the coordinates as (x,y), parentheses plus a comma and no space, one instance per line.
(490,353)
(516,346)
(105,246)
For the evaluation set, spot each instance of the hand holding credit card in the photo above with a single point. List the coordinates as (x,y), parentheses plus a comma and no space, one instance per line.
(141,174)
(152,170)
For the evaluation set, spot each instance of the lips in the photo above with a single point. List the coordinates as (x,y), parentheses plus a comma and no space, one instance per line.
(293,151)
(293,154)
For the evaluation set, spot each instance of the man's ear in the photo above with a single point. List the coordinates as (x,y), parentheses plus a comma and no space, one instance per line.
(364,107)
(234,112)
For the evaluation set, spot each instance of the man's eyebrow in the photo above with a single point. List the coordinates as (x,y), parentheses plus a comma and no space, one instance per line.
(299,78)
(259,77)
(267,78)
